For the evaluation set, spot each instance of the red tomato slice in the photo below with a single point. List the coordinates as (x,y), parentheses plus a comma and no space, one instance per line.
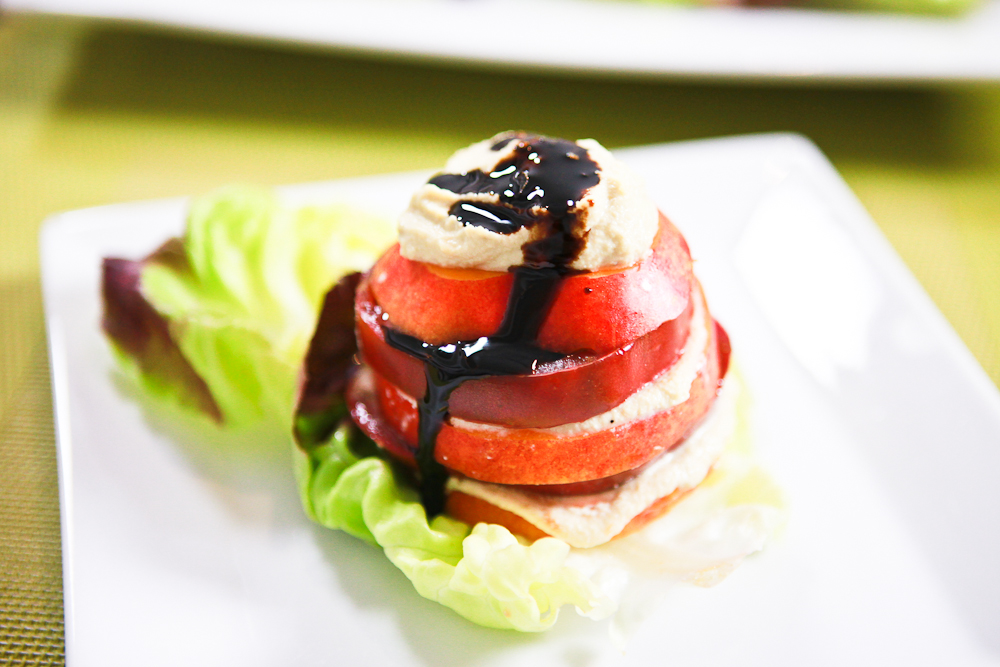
(595,313)
(530,456)
(570,391)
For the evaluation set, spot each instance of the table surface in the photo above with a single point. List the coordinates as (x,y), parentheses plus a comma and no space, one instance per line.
(95,113)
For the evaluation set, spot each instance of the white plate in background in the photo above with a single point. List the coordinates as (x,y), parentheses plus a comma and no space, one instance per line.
(616,36)
(869,411)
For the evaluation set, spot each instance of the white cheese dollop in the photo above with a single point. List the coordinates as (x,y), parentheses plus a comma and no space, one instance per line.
(618,217)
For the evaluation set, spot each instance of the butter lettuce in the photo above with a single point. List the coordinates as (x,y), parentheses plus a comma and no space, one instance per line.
(484,573)
(221,318)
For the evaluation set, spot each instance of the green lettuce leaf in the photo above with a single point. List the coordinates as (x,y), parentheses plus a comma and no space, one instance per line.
(485,573)
(221,318)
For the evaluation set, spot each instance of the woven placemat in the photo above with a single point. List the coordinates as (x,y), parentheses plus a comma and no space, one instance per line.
(31,600)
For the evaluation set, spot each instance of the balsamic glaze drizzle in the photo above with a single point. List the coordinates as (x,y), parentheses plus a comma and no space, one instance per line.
(539,185)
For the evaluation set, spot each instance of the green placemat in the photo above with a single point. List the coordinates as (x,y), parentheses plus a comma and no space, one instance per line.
(95,113)
(31,610)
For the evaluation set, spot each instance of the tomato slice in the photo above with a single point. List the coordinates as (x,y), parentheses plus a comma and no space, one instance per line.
(531,456)
(571,390)
(593,313)
(473,510)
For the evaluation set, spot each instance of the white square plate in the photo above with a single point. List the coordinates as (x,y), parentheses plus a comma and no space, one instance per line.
(869,411)
(659,39)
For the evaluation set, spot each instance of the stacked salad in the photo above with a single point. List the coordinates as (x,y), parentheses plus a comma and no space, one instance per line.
(250,317)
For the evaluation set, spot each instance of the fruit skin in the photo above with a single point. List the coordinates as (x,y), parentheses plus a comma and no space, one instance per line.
(528,456)
(538,400)
(594,312)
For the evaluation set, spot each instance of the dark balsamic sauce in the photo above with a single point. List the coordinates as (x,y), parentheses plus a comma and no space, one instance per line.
(538,186)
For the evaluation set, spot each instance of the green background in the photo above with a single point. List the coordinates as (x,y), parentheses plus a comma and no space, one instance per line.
(94,113)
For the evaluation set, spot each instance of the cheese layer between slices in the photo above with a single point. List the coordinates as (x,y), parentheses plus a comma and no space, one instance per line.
(591,520)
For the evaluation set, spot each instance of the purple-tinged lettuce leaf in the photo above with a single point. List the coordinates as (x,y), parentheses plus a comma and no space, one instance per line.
(235,300)
(142,335)
(329,364)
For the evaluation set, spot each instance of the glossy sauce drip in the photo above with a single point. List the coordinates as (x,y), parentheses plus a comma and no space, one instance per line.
(539,185)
